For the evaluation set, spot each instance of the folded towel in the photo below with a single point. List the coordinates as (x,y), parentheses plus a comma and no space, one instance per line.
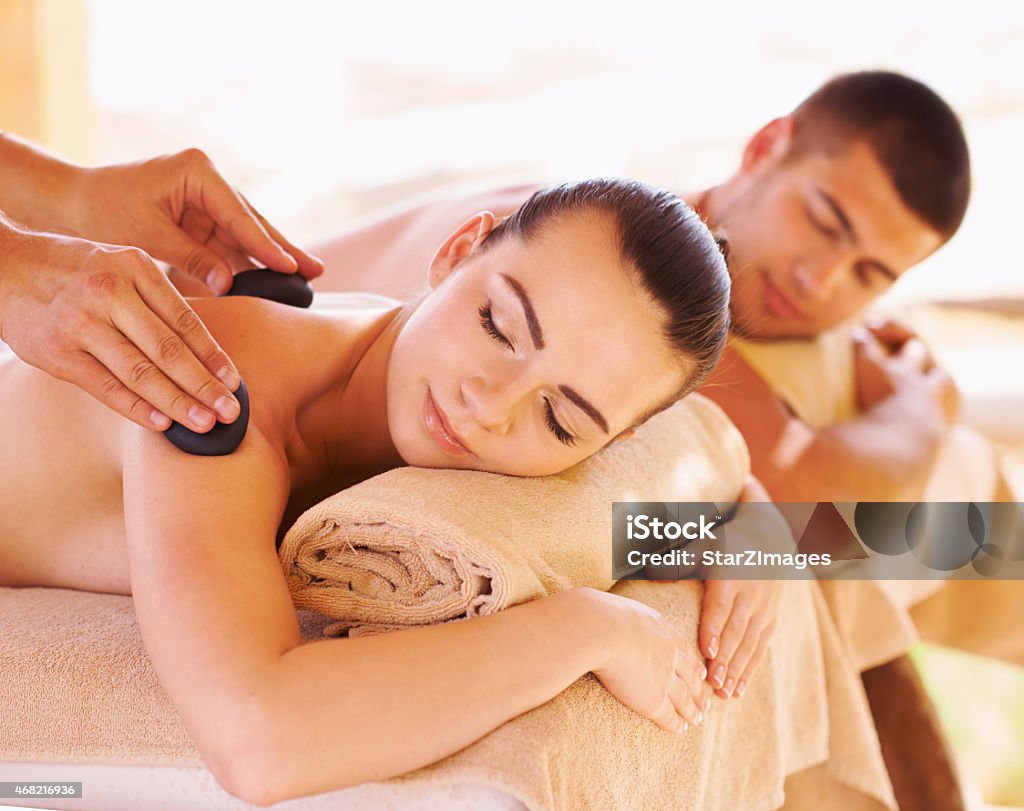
(416,546)
(78,687)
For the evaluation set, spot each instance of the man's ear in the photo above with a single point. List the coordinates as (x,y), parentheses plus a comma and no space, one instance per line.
(769,144)
(458,246)
(623,435)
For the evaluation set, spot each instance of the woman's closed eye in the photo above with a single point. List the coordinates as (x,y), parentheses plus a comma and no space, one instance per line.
(555,426)
(487,322)
(489,327)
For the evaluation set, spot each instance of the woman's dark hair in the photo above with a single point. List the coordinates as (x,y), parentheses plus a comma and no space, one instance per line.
(676,258)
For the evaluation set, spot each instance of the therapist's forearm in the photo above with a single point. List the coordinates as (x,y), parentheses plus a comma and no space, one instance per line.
(886,454)
(36,188)
(355,710)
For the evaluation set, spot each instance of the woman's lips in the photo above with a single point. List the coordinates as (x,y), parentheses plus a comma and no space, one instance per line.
(777,301)
(439,429)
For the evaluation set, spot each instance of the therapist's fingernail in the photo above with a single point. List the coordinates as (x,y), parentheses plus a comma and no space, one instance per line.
(200,417)
(217,281)
(713,646)
(227,407)
(740,687)
(719,675)
(160,420)
(228,377)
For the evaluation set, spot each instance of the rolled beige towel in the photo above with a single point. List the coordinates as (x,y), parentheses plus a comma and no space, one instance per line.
(416,546)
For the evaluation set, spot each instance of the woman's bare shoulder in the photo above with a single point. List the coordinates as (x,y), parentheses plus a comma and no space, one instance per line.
(286,355)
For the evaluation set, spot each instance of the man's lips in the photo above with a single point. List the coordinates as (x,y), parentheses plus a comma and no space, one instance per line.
(440,429)
(778,302)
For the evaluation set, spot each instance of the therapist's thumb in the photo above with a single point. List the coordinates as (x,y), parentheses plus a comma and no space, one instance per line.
(197,261)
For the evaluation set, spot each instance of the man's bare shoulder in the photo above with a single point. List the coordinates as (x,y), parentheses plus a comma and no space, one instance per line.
(748,399)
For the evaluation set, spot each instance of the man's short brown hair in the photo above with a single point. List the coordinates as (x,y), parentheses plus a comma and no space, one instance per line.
(912,132)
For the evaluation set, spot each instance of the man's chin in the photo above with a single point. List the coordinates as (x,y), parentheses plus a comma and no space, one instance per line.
(767,329)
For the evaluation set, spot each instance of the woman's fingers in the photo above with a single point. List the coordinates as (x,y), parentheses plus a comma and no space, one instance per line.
(755,660)
(717,606)
(741,659)
(732,636)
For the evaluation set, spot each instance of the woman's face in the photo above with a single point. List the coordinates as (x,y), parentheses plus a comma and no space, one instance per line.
(526,358)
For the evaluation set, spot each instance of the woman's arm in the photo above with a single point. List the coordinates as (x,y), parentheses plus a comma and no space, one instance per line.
(274,719)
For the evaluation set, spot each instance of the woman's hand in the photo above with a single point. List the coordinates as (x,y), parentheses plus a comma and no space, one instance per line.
(738,619)
(649,665)
(178,209)
(107,319)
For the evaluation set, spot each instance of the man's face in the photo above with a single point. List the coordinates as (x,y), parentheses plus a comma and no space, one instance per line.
(814,240)
(526,358)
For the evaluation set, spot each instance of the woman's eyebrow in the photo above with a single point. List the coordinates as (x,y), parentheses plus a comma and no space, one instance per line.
(585,406)
(536,334)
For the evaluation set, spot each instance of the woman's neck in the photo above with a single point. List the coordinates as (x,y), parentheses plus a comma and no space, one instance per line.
(347,426)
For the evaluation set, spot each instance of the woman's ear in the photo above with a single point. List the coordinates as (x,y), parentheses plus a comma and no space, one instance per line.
(458,246)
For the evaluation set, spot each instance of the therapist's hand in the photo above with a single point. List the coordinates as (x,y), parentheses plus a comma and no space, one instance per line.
(107,319)
(178,209)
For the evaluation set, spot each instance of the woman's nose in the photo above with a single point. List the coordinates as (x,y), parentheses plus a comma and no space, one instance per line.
(493,403)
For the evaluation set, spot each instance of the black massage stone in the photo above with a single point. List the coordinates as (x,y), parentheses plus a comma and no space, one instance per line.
(223,438)
(220,440)
(287,288)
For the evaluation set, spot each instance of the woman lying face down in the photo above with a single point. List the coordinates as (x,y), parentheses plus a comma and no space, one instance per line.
(541,340)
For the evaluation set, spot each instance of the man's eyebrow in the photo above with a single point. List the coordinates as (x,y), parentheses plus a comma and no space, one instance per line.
(844,221)
(840,215)
(880,268)
(536,334)
(585,406)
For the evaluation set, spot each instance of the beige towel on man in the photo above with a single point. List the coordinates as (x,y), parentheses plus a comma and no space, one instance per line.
(415,546)
(78,687)
(816,379)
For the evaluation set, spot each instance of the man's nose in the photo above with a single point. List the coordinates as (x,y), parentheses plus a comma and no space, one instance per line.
(818,276)
(495,400)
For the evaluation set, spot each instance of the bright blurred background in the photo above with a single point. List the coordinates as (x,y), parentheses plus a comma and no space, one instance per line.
(322,112)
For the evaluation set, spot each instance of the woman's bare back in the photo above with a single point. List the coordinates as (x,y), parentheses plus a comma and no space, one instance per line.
(61,489)
(61,510)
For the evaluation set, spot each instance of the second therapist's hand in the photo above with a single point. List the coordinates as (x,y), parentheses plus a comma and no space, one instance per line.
(107,319)
(888,359)
(180,210)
